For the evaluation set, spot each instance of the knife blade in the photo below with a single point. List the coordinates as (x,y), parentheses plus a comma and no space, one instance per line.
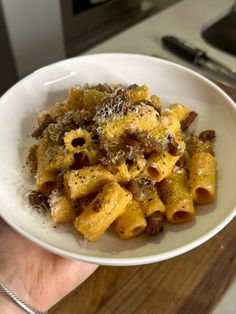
(198,57)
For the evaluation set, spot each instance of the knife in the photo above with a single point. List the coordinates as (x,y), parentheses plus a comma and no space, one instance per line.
(198,57)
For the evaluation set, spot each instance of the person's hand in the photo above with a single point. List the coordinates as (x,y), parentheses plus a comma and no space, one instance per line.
(36,276)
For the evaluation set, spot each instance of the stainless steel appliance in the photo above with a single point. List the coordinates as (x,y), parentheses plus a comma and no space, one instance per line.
(88,22)
(36,33)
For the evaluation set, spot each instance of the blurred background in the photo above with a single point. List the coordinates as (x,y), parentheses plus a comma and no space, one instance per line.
(36,33)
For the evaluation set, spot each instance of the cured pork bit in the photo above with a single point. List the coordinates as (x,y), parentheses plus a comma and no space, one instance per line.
(45,123)
(149,143)
(141,188)
(207,135)
(191,116)
(37,198)
(155,223)
(173,147)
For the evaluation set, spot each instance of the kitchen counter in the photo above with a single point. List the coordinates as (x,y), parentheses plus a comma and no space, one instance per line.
(202,280)
(185,20)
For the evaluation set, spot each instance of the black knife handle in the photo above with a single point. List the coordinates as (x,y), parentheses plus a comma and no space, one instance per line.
(182,49)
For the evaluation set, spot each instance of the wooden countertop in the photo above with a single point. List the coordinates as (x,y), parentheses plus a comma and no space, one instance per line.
(190,283)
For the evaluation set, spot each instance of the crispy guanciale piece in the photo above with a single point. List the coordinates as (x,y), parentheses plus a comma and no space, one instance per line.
(113,106)
(141,188)
(153,102)
(195,145)
(42,126)
(155,223)
(37,198)
(173,147)
(80,160)
(103,88)
(188,120)
(149,143)
(207,135)
(114,154)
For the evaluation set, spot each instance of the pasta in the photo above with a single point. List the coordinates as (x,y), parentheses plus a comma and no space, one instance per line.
(85,181)
(132,222)
(49,162)
(77,140)
(113,130)
(111,156)
(62,208)
(152,205)
(180,110)
(108,205)
(177,198)
(202,177)
(160,166)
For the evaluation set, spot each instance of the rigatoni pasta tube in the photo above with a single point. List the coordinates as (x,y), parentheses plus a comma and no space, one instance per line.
(202,177)
(139,93)
(74,102)
(156,101)
(137,167)
(160,166)
(122,176)
(180,110)
(85,181)
(75,99)
(53,158)
(153,205)
(113,130)
(45,178)
(92,153)
(77,140)
(93,99)
(177,198)
(62,208)
(170,121)
(102,211)
(132,222)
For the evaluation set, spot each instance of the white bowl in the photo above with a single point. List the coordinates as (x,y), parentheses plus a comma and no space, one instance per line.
(173,83)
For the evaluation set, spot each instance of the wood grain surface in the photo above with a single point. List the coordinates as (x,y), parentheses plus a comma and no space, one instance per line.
(192,283)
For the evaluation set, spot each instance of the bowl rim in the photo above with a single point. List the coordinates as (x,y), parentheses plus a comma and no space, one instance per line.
(124,261)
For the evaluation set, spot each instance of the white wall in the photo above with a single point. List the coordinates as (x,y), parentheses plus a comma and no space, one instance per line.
(35,31)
